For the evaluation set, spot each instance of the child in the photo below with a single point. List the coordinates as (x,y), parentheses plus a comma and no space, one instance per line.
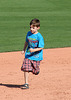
(34,53)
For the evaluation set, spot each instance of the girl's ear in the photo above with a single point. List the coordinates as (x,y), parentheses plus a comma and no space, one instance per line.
(38,28)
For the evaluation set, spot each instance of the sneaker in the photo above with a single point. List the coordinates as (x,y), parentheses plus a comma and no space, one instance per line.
(25,86)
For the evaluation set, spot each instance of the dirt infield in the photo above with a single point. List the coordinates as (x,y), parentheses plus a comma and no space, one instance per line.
(53,82)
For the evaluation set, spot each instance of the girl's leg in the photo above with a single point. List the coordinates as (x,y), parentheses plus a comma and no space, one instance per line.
(26,76)
(26,85)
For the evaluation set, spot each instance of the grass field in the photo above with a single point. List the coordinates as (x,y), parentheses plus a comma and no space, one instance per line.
(15,15)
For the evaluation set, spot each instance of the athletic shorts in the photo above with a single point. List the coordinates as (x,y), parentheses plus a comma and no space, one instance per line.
(31,66)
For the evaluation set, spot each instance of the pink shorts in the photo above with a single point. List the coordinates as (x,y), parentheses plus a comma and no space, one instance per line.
(31,66)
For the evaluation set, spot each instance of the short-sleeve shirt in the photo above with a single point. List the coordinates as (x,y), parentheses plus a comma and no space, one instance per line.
(34,41)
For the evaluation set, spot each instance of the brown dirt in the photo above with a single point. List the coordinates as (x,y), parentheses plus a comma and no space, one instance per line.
(53,82)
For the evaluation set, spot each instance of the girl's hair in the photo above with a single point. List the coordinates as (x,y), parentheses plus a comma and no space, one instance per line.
(35,22)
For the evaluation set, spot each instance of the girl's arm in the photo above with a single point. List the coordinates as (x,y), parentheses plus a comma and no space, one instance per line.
(25,45)
(34,50)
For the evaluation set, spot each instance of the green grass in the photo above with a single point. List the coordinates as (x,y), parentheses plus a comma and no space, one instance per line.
(15,15)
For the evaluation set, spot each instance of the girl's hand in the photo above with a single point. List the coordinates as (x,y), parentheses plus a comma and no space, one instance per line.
(22,52)
(31,50)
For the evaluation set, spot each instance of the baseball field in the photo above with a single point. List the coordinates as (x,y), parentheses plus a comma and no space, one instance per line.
(54,80)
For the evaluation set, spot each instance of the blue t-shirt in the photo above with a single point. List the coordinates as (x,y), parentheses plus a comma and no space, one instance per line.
(34,41)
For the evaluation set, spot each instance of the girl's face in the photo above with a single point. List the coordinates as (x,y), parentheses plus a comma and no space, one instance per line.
(34,29)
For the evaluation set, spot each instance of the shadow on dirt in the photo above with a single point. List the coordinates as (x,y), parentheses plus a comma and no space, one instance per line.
(11,85)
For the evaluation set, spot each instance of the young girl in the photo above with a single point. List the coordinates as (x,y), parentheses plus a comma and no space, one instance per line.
(34,52)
